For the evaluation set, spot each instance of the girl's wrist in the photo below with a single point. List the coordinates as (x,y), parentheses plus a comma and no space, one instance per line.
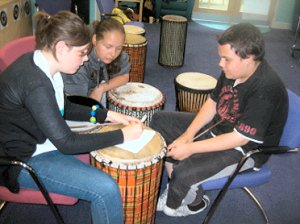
(102,87)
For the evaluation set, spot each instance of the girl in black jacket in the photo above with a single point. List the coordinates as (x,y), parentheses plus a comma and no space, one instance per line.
(33,111)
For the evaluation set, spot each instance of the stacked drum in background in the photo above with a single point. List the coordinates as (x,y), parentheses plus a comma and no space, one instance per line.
(136,48)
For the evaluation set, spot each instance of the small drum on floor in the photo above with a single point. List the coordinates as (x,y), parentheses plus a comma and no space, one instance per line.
(173,33)
(136,99)
(138,175)
(192,90)
(136,48)
(134,30)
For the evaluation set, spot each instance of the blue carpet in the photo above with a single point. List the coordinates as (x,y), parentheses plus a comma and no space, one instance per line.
(280,197)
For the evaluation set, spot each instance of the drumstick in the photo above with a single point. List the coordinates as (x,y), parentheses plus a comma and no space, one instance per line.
(208,129)
(103,124)
(96,125)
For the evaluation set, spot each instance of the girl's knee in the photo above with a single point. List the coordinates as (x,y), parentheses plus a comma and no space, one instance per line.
(106,182)
(113,186)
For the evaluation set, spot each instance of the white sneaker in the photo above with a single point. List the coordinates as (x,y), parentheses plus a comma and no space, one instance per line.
(162,200)
(184,209)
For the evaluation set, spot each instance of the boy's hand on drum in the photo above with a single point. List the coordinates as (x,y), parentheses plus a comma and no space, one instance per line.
(115,117)
(132,132)
(180,140)
(179,150)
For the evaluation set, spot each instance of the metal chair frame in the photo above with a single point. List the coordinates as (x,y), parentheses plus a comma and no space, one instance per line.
(42,188)
(221,194)
(294,46)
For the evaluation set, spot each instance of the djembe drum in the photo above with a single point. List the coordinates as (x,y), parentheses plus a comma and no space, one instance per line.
(192,90)
(138,175)
(136,99)
(172,40)
(131,29)
(136,48)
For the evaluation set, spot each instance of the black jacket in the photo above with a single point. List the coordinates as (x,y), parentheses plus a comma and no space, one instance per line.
(29,114)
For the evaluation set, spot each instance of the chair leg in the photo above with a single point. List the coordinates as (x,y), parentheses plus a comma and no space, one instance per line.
(43,190)
(2,204)
(223,191)
(257,203)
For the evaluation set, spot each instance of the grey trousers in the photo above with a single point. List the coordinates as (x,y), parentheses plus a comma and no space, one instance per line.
(185,182)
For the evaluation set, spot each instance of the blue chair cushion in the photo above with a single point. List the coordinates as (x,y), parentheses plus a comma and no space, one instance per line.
(247,178)
(291,133)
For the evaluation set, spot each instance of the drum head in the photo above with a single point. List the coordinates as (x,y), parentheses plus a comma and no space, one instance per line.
(196,80)
(174,18)
(134,39)
(136,95)
(155,148)
(130,29)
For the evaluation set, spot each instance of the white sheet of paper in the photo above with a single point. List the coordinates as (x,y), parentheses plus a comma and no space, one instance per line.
(136,145)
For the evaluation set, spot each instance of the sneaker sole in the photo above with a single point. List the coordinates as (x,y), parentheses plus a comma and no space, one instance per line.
(170,212)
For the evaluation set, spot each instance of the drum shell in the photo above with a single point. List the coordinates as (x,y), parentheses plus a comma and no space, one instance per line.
(137,52)
(189,99)
(138,180)
(172,41)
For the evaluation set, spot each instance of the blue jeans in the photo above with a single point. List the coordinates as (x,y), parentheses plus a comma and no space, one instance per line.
(64,174)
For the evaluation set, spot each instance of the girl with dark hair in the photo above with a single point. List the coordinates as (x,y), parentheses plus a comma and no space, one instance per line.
(33,110)
(108,66)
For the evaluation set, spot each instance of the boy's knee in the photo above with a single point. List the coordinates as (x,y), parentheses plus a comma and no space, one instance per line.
(156,120)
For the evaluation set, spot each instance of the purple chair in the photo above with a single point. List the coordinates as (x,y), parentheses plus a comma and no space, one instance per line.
(106,7)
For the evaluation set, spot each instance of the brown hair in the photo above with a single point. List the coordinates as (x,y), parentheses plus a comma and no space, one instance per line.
(245,39)
(63,26)
(108,25)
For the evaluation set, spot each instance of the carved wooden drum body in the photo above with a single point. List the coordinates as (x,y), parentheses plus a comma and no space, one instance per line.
(138,175)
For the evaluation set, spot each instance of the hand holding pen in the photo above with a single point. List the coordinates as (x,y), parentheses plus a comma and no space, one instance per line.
(133,130)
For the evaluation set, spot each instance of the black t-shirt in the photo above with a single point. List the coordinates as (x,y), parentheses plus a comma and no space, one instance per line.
(256,109)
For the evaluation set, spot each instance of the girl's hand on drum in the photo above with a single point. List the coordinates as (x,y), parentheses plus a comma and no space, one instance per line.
(115,117)
(132,131)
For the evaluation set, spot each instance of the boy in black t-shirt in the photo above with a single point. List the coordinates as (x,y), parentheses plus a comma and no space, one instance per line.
(247,108)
